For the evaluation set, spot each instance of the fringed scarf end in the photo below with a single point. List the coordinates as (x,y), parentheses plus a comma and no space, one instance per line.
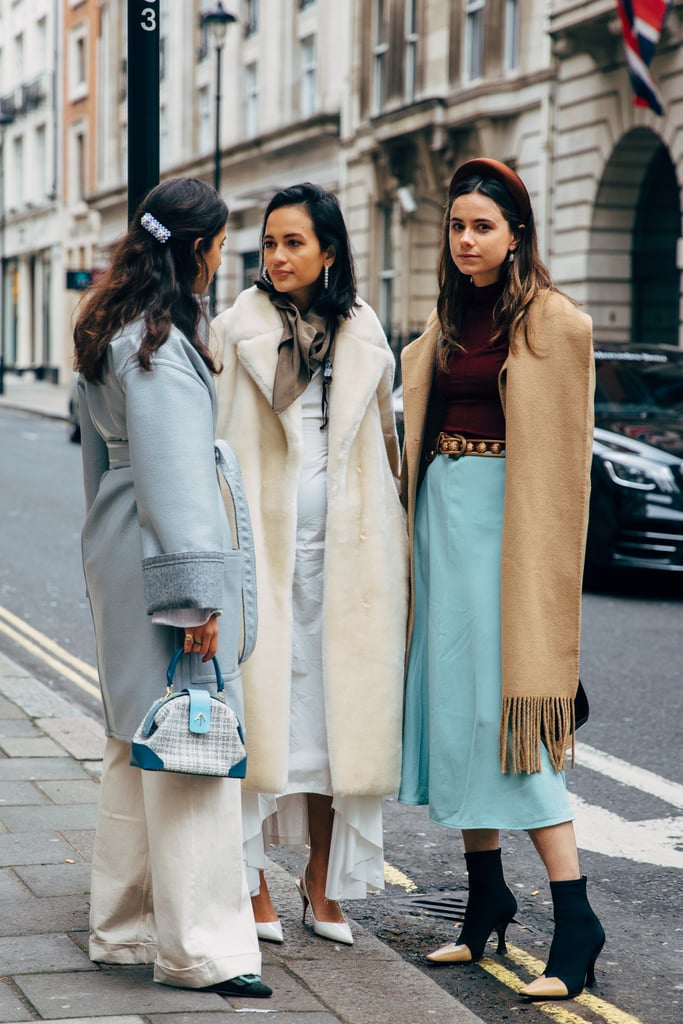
(526,722)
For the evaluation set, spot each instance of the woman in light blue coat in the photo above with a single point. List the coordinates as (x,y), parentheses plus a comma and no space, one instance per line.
(168,885)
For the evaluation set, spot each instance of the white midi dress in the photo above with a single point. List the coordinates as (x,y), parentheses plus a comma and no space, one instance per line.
(356,863)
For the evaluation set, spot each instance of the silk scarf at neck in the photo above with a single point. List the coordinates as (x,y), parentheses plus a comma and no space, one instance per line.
(305,344)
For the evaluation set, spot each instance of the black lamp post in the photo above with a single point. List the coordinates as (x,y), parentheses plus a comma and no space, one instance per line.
(5,119)
(217,22)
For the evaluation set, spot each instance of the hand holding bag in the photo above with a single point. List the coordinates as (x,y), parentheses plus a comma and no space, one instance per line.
(191,732)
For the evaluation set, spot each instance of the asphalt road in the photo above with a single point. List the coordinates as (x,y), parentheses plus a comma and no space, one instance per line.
(627,786)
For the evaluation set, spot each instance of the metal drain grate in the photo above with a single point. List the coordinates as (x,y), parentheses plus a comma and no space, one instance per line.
(446,905)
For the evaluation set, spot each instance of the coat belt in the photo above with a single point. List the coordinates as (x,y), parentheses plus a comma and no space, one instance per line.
(119,454)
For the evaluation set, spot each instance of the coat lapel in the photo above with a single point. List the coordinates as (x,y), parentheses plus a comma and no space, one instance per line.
(358,368)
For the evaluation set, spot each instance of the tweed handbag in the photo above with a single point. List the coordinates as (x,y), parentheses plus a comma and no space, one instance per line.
(191,732)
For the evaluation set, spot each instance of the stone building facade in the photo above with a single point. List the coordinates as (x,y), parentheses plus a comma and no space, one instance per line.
(378,100)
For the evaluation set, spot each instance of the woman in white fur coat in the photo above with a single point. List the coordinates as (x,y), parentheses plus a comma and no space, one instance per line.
(305,400)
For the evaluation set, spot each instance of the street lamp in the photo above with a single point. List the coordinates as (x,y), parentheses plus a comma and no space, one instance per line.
(5,119)
(216,22)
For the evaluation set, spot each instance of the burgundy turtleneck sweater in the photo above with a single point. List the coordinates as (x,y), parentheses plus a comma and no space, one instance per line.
(468,388)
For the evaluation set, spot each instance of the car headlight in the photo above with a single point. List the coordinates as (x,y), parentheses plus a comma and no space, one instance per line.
(640,475)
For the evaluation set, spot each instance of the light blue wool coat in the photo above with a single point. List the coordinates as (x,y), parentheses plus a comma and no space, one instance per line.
(156,534)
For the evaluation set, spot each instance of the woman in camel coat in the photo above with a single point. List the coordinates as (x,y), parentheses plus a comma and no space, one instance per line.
(319,458)
(498,406)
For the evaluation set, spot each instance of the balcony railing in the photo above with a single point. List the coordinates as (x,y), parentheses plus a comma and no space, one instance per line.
(28,96)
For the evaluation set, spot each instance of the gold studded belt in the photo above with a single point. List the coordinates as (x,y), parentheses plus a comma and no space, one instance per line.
(456,445)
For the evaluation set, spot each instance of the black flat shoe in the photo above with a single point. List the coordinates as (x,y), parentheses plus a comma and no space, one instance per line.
(244,985)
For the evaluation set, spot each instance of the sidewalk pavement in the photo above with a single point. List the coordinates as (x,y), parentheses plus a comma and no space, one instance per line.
(25,393)
(50,763)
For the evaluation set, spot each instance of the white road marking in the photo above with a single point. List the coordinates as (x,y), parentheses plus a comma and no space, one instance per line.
(630,775)
(653,841)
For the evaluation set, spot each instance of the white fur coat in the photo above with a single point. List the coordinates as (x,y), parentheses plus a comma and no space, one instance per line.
(366,554)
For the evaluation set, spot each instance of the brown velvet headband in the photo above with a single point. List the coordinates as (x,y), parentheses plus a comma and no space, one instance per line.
(485,168)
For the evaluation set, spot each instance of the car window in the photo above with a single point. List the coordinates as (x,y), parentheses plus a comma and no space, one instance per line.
(638,382)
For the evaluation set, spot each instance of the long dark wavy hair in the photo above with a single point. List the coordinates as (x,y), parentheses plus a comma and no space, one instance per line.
(323,208)
(152,280)
(524,277)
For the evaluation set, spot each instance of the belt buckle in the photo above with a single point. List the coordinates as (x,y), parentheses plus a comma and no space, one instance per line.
(457,441)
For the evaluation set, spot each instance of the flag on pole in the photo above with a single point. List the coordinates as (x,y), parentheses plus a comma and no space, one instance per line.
(641,23)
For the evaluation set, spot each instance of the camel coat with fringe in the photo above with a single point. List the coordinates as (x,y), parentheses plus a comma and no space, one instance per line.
(366,546)
(547,397)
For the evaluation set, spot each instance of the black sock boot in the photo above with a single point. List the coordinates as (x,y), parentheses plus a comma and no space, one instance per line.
(490,905)
(576,944)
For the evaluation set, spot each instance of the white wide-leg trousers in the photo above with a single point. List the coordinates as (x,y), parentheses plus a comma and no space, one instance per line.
(168,883)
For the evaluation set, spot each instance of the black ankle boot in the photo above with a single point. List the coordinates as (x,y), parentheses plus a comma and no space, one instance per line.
(490,905)
(576,944)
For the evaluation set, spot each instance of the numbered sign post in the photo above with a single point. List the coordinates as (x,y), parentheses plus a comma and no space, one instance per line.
(143,99)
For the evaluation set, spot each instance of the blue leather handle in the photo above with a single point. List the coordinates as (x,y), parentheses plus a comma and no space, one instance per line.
(173,664)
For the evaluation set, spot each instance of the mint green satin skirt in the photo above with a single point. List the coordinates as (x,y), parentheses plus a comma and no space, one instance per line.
(453,686)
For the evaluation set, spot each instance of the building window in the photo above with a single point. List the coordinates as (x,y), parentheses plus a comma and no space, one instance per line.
(309,75)
(380,51)
(41,163)
(250,267)
(474,39)
(204,117)
(387,272)
(18,153)
(78,168)
(250,17)
(78,63)
(511,34)
(251,98)
(19,57)
(41,48)
(204,40)
(410,51)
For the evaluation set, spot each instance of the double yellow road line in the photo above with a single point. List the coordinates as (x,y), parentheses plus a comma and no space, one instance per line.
(560,1012)
(32,640)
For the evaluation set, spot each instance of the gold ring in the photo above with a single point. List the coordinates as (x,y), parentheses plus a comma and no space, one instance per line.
(188,636)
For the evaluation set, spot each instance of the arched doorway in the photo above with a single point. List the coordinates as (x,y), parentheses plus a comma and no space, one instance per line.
(656,278)
(634,289)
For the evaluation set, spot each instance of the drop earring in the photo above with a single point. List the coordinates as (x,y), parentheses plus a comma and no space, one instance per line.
(326,277)
(511,256)
(266,276)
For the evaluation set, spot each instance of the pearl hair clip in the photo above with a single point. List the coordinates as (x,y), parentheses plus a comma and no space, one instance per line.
(155,228)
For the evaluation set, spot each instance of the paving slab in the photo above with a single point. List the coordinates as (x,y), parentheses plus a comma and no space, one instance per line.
(29,768)
(41,746)
(55,879)
(229,1016)
(37,953)
(103,1020)
(12,1006)
(34,698)
(32,849)
(10,710)
(20,793)
(114,992)
(18,727)
(49,817)
(83,737)
(28,915)
(82,841)
(77,791)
